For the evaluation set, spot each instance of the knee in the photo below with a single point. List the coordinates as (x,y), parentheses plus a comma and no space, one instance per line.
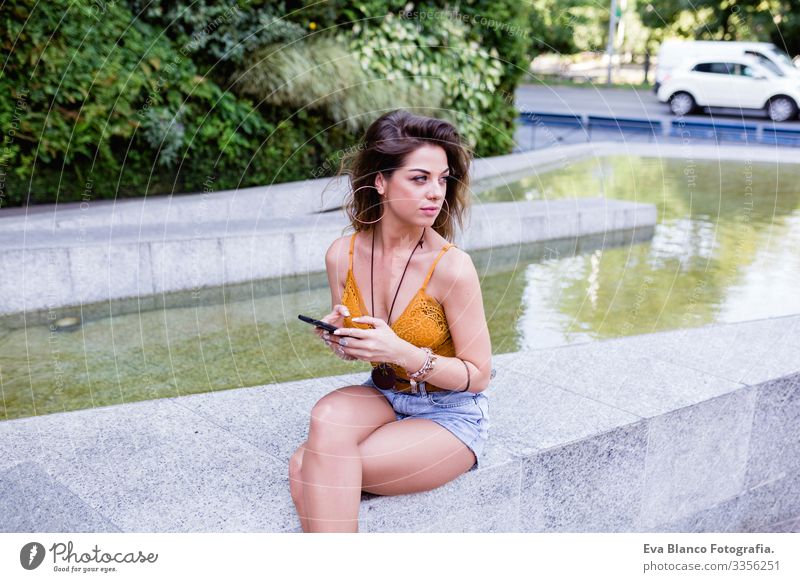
(329,426)
(295,464)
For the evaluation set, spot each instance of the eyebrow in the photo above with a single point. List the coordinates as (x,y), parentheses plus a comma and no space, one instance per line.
(426,171)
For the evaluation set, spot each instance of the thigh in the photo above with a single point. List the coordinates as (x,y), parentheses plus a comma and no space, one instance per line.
(410,456)
(350,414)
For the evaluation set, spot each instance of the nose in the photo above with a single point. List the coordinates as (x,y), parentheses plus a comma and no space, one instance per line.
(437,191)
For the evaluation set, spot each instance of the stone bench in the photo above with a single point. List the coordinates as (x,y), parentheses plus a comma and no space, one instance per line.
(688,430)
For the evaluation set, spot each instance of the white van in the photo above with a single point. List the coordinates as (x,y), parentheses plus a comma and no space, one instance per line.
(673,52)
(730,82)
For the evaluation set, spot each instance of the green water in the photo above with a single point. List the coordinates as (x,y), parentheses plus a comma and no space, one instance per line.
(726,248)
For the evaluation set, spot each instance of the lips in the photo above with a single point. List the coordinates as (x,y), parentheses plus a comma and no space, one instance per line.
(431,208)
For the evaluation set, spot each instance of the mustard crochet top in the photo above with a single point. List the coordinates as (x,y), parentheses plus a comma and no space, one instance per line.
(423,323)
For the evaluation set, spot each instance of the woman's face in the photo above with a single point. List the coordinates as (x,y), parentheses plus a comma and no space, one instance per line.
(420,183)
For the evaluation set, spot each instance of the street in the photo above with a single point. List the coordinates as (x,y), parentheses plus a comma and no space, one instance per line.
(619,102)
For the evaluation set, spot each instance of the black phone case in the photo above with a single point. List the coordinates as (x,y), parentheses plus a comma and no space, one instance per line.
(318,323)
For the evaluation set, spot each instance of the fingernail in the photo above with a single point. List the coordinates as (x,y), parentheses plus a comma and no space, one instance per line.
(347,312)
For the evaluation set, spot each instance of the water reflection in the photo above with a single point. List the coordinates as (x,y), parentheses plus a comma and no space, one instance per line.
(725,249)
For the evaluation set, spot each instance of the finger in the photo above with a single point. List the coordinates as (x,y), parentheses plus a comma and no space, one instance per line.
(330,339)
(341,310)
(374,321)
(337,315)
(334,314)
(350,332)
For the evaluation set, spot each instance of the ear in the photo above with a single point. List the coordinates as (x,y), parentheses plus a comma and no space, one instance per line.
(380,183)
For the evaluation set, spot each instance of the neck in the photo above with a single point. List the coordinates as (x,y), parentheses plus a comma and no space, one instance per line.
(397,239)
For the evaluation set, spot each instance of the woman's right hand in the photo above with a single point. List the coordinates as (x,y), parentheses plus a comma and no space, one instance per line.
(335,318)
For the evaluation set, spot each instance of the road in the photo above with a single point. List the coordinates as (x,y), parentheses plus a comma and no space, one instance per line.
(618,102)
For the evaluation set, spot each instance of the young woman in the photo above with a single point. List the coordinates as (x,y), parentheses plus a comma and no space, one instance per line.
(408,302)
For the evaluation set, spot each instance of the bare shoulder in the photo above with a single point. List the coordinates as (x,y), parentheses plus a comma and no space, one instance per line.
(457,268)
(337,255)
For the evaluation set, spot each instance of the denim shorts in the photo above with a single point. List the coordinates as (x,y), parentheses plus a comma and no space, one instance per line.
(464,414)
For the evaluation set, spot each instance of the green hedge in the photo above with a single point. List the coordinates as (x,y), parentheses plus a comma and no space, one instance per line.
(505,26)
(103,104)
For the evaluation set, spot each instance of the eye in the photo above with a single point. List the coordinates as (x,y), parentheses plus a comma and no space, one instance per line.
(421,179)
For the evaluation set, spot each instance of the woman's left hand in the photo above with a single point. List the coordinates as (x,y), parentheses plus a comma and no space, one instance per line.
(379,344)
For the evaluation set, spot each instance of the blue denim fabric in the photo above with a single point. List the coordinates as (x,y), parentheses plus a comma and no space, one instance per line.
(464,414)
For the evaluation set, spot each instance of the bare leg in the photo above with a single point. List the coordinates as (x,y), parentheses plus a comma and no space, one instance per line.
(330,469)
(296,485)
(412,456)
(332,489)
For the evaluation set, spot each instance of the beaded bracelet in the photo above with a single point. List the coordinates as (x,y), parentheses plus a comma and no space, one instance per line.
(429,358)
(430,362)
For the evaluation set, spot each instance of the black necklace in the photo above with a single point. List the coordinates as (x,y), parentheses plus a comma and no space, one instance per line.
(384,375)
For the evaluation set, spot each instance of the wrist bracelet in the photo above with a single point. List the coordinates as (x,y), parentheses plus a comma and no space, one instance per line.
(430,360)
(467,367)
(416,377)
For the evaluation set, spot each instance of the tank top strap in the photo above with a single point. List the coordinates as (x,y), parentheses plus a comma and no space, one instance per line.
(433,266)
(352,243)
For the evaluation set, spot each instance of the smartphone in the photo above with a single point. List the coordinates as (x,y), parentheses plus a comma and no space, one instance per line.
(318,323)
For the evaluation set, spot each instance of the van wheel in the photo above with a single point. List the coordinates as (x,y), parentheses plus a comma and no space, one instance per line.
(781,109)
(682,103)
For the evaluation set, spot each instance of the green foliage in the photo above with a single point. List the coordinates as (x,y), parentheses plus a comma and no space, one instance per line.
(211,32)
(103,101)
(786,33)
(164,130)
(321,74)
(757,20)
(553,26)
(399,48)
(110,108)
(82,88)
(501,27)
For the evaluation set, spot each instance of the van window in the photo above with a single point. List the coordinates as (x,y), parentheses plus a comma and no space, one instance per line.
(746,71)
(765,62)
(780,56)
(719,68)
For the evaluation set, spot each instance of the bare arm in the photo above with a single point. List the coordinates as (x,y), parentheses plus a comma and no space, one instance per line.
(336,264)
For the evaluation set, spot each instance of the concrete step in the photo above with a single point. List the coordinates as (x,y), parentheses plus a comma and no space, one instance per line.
(56,268)
(259,203)
(687,430)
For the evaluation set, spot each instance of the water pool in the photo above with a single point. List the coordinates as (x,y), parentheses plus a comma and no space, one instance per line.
(726,248)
